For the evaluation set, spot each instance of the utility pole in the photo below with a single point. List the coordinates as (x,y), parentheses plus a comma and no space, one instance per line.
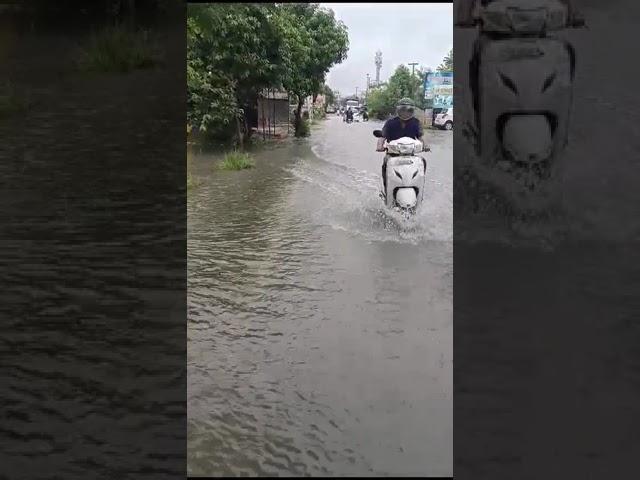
(413,66)
(356,93)
(367,95)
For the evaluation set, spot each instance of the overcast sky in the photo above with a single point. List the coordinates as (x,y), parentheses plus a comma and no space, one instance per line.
(404,32)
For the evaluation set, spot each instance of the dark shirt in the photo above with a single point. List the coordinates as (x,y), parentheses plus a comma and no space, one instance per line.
(394,128)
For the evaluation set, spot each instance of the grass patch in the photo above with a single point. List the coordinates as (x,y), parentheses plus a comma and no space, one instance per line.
(117,49)
(11,101)
(236,161)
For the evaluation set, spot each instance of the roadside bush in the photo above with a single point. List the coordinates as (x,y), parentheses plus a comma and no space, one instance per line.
(380,104)
(236,161)
(319,113)
(117,49)
(304,129)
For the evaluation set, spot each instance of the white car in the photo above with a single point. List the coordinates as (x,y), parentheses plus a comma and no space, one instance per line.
(444,119)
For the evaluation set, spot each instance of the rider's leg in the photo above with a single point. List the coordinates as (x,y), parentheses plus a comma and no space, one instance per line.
(384,176)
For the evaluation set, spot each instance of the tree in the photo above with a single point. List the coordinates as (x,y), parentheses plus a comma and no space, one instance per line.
(236,50)
(233,52)
(379,104)
(447,63)
(210,94)
(382,100)
(329,97)
(313,41)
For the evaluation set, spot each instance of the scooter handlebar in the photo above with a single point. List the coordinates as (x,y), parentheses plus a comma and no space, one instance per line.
(576,22)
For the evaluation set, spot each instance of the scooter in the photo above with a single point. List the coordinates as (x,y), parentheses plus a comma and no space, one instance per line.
(405,174)
(521,79)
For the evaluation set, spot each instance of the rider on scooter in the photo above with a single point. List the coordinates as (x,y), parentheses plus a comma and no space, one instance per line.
(349,114)
(364,113)
(404,124)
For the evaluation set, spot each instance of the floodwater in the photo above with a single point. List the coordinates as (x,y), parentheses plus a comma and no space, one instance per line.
(319,325)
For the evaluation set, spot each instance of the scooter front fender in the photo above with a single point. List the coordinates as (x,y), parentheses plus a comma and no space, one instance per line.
(406,197)
(527,138)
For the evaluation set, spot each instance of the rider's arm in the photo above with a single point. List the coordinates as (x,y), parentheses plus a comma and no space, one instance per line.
(381,140)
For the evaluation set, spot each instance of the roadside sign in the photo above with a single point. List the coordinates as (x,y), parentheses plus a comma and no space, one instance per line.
(438,86)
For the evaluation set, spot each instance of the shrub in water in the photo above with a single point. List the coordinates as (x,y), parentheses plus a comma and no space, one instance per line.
(303,129)
(236,161)
(117,50)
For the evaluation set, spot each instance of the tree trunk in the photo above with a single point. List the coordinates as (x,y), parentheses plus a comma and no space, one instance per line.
(298,123)
(239,134)
(247,128)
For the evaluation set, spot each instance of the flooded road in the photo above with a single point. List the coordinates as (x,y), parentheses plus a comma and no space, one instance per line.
(319,326)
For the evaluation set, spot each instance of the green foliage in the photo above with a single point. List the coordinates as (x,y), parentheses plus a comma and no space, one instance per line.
(313,41)
(236,50)
(233,51)
(318,113)
(379,104)
(236,161)
(329,97)
(447,63)
(382,100)
(304,128)
(116,49)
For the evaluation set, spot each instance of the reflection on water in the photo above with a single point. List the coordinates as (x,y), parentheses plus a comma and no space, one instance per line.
(319,325)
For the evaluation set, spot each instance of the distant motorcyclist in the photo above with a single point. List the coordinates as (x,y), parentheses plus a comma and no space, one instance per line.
(404,124)
(349,115)
(364,113)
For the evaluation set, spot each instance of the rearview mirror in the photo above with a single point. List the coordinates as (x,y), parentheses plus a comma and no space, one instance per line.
(377,133)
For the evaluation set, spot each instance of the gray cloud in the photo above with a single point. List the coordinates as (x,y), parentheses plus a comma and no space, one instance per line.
(404,32)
